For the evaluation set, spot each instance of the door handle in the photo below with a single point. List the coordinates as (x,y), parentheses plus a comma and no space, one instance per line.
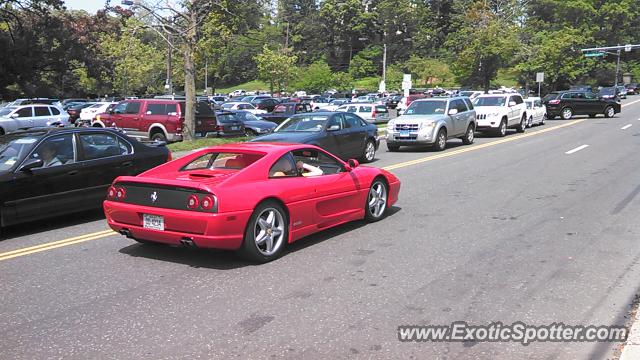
(72,172)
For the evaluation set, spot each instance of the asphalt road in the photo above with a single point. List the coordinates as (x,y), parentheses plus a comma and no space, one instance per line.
(511,229)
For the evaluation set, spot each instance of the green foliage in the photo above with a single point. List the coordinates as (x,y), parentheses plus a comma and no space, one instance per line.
(429,72)
(275,68)
(319,77)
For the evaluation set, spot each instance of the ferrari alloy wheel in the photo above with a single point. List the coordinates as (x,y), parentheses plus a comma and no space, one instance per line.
(376,206)
(267,233)
(369,152)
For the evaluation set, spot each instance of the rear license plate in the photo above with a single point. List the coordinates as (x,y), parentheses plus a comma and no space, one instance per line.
(235,128)
(404,133)
(153,222)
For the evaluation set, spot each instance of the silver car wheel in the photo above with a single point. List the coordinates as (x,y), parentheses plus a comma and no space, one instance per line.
(567,113)
(269,231)
(442,140)
(610,112)
(370,151)
(377,200)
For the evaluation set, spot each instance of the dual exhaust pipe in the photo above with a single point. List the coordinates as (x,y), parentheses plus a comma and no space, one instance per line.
(185,241)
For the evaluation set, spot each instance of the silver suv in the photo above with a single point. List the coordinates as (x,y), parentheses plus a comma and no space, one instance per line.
(431,122)
(14,118)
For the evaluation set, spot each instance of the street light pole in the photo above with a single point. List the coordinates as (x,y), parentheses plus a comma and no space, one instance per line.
(617,68)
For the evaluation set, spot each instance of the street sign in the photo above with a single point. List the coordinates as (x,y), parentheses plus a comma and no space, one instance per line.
(627,48)
(594,54)
(540,77)
(406,78)
(383,87)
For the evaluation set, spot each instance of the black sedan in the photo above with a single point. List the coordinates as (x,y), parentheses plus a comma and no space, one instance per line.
(253,125)
(52,172)
(343,134)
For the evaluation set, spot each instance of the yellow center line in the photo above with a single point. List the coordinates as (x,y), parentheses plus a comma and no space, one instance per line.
(55,244)
(478,147)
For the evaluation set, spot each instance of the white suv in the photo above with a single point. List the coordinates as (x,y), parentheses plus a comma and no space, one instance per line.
(497,112)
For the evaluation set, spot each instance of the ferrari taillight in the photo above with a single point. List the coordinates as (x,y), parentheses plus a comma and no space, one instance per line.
(193,202)
(208,202)
(111,193)
(121,194)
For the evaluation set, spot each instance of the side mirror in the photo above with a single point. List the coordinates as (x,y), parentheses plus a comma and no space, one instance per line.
(512,103)
(353,163)
(31,164)
(14,115)
(333,128)
(453,111)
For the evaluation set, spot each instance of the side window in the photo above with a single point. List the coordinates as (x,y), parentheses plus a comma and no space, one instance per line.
(56,151)
(42,111)
(284,167)
(468,102)
(311,162)
(125,147)
(120,108)
(352,121)
(537,103)
(590,95)
(460,105)
(352,109)
(156,109)
(25,112)
(336,120)
(54,110)
(101,145)
(133,108)
(172,109)
(365,109)
(518,99)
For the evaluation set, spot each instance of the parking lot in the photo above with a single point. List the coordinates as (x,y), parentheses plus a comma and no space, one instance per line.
(537,227)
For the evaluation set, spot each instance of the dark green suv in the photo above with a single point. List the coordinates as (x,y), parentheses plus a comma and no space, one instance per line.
(568,103)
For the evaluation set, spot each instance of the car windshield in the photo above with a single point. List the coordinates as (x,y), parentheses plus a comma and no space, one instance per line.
(489,101)
(6,110)
(13,149)
(221,161)
(303,123)
(426,108)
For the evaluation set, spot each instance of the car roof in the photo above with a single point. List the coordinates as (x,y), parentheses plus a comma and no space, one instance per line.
(60,130)
(266,147)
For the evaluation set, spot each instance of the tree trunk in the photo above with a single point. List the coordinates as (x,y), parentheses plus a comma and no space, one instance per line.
(188,132)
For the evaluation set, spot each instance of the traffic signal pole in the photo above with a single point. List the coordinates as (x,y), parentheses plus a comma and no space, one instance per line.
(601,51)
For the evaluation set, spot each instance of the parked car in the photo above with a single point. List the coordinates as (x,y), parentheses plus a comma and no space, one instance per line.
(74,110)
(47,101)
(370,112)
(89,113)
(609,92)
(157,119)
(622,92)
(267,104)
(334,105)
(320,103)
(497,112)
(569,103)
(253,125)
(53,172)
(314,190)
(407,100)
(233,105)
(633,88)
(471,94)
(14,118)
(430,122)
(392,101)
(343,134)
(536,111)
(286,110)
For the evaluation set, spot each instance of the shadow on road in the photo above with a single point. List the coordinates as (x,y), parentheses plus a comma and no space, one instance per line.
(54,223)
(228,260)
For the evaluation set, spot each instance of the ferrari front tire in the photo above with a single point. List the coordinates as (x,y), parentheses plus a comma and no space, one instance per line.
(376,207)
(267,233)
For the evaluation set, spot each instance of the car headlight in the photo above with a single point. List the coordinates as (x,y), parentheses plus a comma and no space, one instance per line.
(494,114)
(427,125)
(391,124)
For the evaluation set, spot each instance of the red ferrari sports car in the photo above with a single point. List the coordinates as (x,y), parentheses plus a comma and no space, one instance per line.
(252,197)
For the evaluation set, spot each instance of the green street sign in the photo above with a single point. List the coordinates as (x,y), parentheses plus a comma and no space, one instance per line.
(595,54)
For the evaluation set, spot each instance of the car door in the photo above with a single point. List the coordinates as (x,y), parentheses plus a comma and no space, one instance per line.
(130,120)
(104,157)
(55,188)
(357,135)
(593,105)
(42,116)
(152,113)
(335,136)
(459,119)
(24,117)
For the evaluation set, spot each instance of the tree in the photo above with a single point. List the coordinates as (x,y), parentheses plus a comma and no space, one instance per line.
(275,68)
(428,71)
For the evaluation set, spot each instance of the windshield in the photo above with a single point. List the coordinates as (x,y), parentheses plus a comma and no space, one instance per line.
(303,123)
(6,111)
(12,149)
(489,101)
(426,108)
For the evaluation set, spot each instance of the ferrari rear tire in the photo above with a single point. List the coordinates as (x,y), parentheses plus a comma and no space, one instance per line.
(267,233)
(376,207)
(369,152)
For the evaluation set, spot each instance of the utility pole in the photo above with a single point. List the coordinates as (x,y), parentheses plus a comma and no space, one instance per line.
(617,68)
(384,64)
(169,82)
(602,51)
(206,75)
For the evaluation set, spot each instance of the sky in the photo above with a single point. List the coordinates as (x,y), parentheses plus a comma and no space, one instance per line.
(89,5)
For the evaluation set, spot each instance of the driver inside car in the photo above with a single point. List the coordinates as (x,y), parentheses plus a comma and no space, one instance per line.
(305,169)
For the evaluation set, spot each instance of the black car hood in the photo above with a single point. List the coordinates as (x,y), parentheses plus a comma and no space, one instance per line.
(291,137)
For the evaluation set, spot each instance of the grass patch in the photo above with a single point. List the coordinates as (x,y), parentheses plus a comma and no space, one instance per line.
(506,77)
(368,83)
(200,143)
(254,85)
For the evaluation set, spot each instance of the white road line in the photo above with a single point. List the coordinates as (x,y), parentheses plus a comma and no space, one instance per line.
(577,149)
(625,127)
(627,104)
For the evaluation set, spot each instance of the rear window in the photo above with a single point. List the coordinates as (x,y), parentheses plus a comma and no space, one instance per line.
(222,161)
(381,108)
(551,96)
